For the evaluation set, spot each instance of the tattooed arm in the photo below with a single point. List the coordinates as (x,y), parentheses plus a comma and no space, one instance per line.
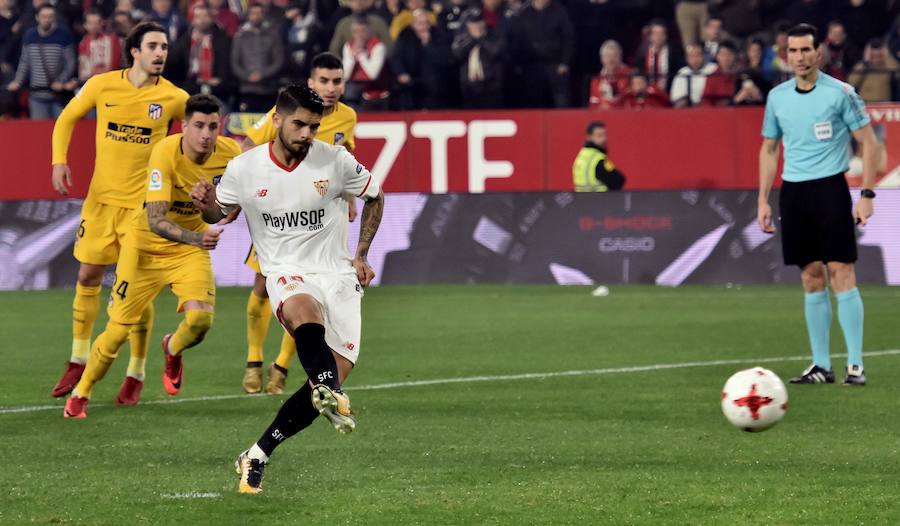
(165,227)
(371,218)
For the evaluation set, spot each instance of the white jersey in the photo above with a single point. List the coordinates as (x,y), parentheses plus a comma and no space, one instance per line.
(295,213)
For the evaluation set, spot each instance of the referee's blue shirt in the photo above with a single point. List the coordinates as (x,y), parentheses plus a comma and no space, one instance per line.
(815,126)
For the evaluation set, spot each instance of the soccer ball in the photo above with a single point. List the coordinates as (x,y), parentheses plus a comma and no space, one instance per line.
(754,399)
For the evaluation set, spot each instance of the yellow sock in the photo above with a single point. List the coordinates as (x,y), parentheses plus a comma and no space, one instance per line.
(190,331)
(287,352)
(103,353)
(259,314)
(85,308)
(139,338)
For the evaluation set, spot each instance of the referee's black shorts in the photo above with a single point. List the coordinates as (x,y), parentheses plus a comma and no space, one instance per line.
(817,221)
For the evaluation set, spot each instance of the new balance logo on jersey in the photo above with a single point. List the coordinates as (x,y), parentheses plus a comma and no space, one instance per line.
(313,219)
(262,192)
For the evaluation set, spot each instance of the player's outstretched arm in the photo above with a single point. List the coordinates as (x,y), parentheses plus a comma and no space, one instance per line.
(371,219)
(165,227)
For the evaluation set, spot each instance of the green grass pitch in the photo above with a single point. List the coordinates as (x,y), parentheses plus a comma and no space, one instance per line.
(646,446)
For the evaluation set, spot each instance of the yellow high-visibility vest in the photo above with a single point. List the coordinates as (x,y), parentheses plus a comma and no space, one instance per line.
(584,170)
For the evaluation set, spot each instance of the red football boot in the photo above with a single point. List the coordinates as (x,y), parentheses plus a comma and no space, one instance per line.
(76,407)
(69,379)
(174,371)
(130,392)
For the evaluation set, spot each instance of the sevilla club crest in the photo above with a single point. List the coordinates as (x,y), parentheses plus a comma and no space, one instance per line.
(321,186)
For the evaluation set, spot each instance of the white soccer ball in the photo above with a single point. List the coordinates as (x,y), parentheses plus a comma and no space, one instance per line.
(754,399)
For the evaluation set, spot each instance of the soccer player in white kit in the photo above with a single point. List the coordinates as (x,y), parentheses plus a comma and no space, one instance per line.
(290,192)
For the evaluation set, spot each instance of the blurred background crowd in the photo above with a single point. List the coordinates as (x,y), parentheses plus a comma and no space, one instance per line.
(452,54)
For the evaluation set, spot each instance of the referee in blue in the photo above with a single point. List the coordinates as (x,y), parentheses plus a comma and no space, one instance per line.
(815,115)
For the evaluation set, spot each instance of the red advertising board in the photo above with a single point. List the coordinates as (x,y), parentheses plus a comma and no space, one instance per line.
(496,151)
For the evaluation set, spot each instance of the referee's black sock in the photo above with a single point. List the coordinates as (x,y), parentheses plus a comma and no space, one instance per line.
(295,415)
(315,355)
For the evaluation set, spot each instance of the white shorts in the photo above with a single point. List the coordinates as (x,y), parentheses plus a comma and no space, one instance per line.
(339,294)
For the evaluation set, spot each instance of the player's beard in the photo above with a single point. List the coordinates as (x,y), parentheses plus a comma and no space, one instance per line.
(297,150)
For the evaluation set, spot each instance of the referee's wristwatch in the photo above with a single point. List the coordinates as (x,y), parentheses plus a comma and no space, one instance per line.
(868,193)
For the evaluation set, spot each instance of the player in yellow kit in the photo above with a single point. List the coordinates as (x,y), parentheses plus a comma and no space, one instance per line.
(327,79)
(169,245)
(135,107)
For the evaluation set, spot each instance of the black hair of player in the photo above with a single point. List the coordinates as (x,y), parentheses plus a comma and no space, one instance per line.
(298,96)
(802,30)
(136,38)
(326,60)
(593,126)
(202,103)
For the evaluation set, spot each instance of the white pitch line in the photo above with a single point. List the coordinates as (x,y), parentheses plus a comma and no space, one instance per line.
(473,379)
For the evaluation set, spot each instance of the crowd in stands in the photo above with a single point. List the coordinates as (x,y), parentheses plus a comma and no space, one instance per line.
(449,54)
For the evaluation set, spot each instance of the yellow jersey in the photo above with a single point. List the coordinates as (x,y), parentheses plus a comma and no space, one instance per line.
(336,127)
(169,176)
(130,121)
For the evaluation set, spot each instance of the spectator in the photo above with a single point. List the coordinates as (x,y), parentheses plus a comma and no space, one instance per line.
(200,60)
(10,38)
(719,88)
(225,18)
(48,65)
(691,16)
(592,170)
(98,51)
(594,23)
(712,37)
(749,89)
(305,39)
(740,18)
(863,20)
(376,24)
(493,12)
(690,81)
(842,54)
(480,52)
(542,44)
(416,63)
(449,20)
(404,18)
(760,59)
(365,68)
(612,81)
(780,66)
(167,14)
(656,58)
(641,94)
(876,77)
(273,14)
(257,55)
(122,23)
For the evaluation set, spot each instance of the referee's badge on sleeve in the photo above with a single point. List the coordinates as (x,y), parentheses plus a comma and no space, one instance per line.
(824,132)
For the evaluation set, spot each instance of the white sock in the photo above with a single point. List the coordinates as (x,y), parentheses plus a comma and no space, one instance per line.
(257,453)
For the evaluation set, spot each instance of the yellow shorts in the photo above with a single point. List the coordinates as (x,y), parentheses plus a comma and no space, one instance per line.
(252,261)
(140,276)
(101,231)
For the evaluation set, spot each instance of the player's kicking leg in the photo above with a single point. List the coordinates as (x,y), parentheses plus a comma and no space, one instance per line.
(303,315)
